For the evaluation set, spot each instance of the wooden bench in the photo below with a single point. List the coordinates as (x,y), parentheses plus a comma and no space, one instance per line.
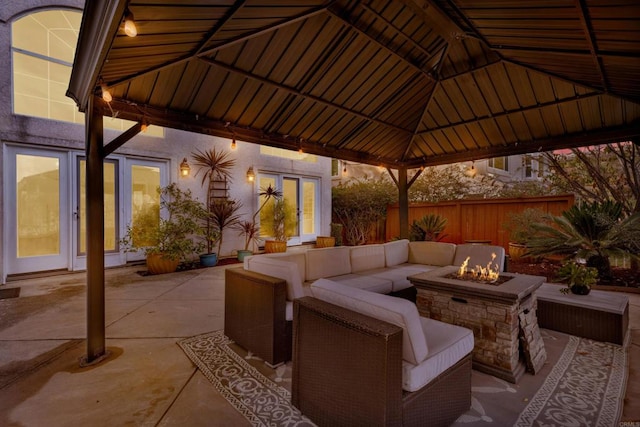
(600,316)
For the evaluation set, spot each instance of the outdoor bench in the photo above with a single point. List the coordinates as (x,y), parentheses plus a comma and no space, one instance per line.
(600,315)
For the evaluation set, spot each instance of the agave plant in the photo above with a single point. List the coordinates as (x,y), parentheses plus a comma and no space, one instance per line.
(429,227)
(590,231)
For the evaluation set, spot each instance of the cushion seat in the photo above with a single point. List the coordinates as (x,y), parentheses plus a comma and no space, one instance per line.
(397,274)
(378,285)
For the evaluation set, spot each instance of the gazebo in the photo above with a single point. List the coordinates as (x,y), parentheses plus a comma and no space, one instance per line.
(400,84)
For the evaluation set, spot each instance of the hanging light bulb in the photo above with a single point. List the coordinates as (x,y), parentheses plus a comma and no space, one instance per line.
(144,127)
(129,24)
(233,144)
(106,95)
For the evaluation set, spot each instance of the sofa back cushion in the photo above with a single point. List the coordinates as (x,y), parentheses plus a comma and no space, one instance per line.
(479,255)
(396,252)
(397,311)
(285,270)
(297,257)
(432,253)
(327,262)
(366,257)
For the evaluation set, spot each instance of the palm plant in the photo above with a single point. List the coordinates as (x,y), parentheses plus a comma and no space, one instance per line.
(250,231)
(590,231)
(223,215)
(429,227)
(215,166)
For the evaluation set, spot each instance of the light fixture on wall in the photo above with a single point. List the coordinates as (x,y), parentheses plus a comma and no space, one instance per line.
(233,144)
(130,24)
(185,169)
(251,175)
(472,171)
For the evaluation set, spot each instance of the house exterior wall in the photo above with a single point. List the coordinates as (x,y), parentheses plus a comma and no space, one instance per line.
(24,131)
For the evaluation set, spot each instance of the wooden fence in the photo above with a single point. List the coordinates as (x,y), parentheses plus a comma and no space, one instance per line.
(475,220)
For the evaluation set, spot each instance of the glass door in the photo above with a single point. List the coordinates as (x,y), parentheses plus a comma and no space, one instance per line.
(37,202)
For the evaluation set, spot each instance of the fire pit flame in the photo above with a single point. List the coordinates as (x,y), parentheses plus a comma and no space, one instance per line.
(490,273)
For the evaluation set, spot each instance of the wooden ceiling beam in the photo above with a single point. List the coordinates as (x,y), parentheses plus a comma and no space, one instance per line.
(585,21)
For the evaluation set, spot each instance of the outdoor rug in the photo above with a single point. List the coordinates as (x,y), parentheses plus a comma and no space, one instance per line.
(582,383)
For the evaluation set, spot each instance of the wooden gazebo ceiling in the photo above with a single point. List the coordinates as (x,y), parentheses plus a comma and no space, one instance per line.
(397,83)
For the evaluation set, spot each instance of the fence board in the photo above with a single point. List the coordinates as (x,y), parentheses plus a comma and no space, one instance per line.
(479,219)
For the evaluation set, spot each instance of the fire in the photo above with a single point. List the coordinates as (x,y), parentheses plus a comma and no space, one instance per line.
(490,273)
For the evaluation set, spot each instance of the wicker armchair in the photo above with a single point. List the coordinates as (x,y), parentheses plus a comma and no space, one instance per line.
(347,371)
(254,314)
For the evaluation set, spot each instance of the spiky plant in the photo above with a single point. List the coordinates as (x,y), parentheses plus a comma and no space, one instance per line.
(429,227)
(591,231)
(224,214)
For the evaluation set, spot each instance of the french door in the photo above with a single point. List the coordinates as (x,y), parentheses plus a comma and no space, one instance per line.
(301,195)
(37,215)
(45,221)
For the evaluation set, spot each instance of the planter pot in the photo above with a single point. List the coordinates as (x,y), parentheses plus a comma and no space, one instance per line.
(517,251)
(325,242)
(158,264)
(243,253)
(580,290)
(209,260)
(273,246)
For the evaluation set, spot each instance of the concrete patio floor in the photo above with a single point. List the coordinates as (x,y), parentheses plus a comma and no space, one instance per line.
(147,380)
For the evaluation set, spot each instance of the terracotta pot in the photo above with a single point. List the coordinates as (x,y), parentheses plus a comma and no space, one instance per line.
(325,241)
(517,251)
(158,264)
(272,246)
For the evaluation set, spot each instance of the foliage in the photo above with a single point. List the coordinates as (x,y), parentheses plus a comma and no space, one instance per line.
(518,189)
(336,231)
(518,225)
(250,231)
(577,275)
(214,165)
(429,227)
(278,220)
(359,204)
(439,183)
(172,235)
(599,173)
(223,215)
(591,231)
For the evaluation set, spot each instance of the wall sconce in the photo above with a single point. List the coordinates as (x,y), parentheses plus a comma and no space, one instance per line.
(185,169)
(233,144)
(472,171)
(251,175)
(129,24)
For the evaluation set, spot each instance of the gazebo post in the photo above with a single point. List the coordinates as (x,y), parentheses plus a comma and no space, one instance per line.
(403,202)
(96,349)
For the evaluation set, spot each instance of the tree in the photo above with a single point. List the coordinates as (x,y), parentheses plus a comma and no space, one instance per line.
(360,204)
(599,173)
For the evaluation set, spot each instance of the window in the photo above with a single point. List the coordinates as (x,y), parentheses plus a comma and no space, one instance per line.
(43,48)
(288,154)
(533,167)
(500,163)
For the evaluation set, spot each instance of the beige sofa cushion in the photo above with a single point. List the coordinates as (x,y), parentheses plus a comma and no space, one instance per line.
(297,257)
(327,262)
(396,252)
(274,267)
(397,311)
(432,253)
(366,257)
(369,283)
(479,255)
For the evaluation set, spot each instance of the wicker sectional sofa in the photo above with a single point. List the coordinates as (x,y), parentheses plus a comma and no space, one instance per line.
(259,296)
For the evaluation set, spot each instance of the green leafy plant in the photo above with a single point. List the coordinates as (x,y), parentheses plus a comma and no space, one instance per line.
(429,227)
(518,225)
(173,235)
(578,277)
(336,231)
(590,231)
(278,220)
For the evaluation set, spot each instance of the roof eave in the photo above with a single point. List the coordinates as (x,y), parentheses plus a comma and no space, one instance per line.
(99,27)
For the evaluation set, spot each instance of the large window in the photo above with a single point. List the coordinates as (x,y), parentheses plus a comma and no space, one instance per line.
(43,48)
(500,163)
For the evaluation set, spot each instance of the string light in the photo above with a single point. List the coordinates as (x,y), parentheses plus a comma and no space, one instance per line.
(233,144)
(129,24)
(106,95)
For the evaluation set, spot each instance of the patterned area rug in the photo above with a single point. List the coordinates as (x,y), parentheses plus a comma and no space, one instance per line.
(582,383)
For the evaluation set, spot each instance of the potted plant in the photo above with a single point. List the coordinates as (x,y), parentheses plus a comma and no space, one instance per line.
(167,239)
(578,277)
(281,226)
(518,226)
(249,229)
(215,167)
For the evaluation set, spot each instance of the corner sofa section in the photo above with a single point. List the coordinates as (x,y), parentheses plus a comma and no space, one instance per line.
(259,297)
